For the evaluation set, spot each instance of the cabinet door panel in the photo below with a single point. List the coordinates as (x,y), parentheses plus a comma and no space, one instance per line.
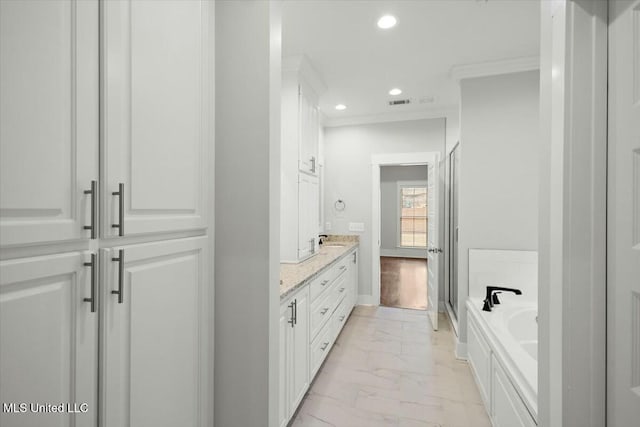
(156,113)
(48,118)
(155,344)
(300,349)
(48,339)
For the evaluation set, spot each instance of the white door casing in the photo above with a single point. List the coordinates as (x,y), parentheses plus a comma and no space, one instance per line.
(48,119)
(156,114)
(433,241)
(153,342)
(623,234)
(48,330)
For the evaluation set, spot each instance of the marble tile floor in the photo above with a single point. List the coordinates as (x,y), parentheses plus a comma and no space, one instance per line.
(389,368)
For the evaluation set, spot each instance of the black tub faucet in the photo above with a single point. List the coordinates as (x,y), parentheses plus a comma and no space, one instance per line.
(491,297)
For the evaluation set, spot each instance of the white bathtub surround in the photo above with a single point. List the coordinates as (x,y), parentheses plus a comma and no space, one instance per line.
(502,353)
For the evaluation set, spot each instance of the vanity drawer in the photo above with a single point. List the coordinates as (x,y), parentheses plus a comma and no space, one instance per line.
(321,311)
(321,283)
(320,347)
(340,317)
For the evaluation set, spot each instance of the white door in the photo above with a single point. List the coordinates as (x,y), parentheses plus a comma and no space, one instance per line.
(157,121)
(48,119)
(153,341)
(300,348)
(623,231)
(48,339)
(433,251)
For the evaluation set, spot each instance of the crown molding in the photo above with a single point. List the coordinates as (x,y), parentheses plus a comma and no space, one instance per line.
(396,116)
(506,66)
(302,65)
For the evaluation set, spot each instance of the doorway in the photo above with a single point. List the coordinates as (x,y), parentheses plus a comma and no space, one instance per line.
(429,161)
(403,243)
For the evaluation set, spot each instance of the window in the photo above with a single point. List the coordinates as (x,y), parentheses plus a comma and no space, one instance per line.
(413,216)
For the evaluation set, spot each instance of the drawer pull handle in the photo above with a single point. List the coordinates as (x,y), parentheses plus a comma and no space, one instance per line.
(292,319)
(341,290)
(342,267)
(341,318)
(324,311)
(324,282)
(324,346)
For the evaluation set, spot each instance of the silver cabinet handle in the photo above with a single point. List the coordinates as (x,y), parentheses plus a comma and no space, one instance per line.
(120,290)
(94,208)
(324,346)
(341,318)
(94,281)
(342,267)
(324,311)
(120,224)
(341,290)
(291,320)
(313,164)
(355,257)
(324,282)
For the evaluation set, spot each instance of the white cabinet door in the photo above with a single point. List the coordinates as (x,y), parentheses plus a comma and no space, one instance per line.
(48,118)
(154,343)
(308,214)
(156,114)
(309,130)
(300,348)
(48,339)
(286,314)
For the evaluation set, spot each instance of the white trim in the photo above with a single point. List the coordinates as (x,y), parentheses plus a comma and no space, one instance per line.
(452,319)
(302,65)
(461,350)
(505,66)
(395,116)
(403,253)
(366,300)
(378,160)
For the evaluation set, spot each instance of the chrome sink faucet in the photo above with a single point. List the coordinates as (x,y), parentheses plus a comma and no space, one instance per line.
(491,297)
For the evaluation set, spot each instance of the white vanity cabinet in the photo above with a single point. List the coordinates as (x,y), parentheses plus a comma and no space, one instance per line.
(300,168)
(310,320)
(294,352)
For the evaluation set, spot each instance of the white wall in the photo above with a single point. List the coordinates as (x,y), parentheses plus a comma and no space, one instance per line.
(347,155)
(247,231)
(390,176)
(499,137)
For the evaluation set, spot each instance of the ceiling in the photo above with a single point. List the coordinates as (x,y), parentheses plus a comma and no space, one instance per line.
(360,62)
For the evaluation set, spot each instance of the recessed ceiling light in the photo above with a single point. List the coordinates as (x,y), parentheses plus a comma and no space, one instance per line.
(395,91)
(341,107)
(387,21)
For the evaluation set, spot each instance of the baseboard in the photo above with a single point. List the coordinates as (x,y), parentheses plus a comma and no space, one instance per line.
(461,350)
(366,300)
(403,253)
(441,307)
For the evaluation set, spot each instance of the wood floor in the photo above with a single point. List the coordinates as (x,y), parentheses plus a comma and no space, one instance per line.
(403,282)
(388,368)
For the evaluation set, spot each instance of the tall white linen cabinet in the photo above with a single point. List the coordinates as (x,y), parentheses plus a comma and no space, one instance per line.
(105,282)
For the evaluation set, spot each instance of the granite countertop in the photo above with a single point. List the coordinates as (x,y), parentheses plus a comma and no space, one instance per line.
(293,276)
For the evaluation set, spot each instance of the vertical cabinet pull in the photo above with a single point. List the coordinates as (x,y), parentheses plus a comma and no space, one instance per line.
(291,320)
(94,281)
(94,208)
(295,311)
(120,260)
(120,224)
(313,164)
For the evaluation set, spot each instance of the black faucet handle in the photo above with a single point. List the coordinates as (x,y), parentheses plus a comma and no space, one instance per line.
(494,298)
(487,305)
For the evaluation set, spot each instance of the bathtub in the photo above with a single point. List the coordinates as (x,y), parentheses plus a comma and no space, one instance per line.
(504,343)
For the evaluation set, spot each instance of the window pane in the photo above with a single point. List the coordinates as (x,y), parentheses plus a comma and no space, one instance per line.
(413,216)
